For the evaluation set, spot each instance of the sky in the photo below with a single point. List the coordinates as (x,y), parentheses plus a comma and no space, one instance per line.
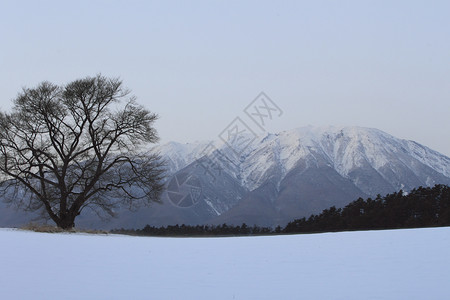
(199,64)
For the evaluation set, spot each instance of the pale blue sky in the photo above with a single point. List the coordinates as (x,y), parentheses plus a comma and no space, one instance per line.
(382,64)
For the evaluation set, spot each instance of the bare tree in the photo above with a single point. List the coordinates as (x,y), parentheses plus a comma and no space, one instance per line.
(79,145)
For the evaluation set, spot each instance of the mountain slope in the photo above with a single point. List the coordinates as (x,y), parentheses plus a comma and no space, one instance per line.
(303,171)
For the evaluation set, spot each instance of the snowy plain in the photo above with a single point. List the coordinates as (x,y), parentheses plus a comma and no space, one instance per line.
(390,264)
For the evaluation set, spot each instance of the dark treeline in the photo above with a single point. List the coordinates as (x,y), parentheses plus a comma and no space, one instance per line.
(199,230)
(422,207)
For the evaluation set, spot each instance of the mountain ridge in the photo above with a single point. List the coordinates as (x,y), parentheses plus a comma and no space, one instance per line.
(295,143)
(335,164)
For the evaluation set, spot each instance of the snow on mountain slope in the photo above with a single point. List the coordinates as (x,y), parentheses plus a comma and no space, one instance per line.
(345,149)
(180,155)
(391,264)
(429,157)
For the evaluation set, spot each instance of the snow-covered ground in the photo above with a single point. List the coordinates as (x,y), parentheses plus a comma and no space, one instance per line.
(395,264)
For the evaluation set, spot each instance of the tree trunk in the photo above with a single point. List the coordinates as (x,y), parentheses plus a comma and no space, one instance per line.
(67,222)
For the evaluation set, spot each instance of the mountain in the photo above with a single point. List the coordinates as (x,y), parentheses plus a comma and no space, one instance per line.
(303,171)
(274,178)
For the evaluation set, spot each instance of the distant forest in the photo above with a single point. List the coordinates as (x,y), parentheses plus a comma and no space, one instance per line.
(422,207)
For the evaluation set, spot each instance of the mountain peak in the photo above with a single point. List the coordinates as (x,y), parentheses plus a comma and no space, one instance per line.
(343,148)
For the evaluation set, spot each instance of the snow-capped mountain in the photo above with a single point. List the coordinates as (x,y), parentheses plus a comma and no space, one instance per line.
(302,171)
(344,149)
(275,178)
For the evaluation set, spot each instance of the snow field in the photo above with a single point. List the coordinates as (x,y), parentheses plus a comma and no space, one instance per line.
(391,264)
